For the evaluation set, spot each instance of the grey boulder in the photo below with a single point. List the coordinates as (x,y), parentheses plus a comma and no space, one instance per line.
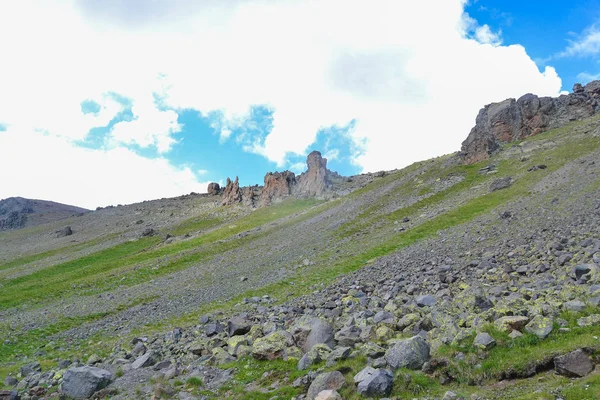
(326,381)
(408,353)
(82,382)
(574,364)
(374,382)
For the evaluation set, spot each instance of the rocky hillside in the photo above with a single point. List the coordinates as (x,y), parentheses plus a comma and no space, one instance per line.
(17,212)
(451,278)
(512,120)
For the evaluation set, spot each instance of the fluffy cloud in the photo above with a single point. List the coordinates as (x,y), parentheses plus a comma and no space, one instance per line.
(587,44)
(48,167)
(411,79)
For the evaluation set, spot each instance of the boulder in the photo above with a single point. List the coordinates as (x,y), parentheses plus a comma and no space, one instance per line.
(272,346)
(213,189)
(484,341)
(540,326)
(66,231)
(238,326)
(83,382)
(9,395)
(348,336)
(511,323)
(500,184)
(408,353)
(326,381)
(374,382)
(574,364)
(309,331)
(147,360)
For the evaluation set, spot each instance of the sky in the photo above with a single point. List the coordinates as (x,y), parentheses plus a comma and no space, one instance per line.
(113,102)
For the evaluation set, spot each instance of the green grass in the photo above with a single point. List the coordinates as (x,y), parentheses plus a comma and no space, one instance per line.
(120,265)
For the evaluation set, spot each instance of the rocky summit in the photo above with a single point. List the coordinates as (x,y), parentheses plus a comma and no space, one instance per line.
(474,275)
(512,120)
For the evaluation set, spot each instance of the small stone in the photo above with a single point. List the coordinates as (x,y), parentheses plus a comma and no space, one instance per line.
(484,340)
(449,395)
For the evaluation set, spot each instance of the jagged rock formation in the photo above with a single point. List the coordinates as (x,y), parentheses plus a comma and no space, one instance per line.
(315,181)
(18,212)
(232,193)
(278,186)
(512,119)
(213,189)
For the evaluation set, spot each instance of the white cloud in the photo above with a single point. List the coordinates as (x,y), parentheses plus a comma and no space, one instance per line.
(588,44)
(48,167)
(484,35)
(586,77)
(150,127)
(412,80)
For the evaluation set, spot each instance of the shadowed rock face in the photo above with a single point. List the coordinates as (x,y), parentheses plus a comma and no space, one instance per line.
(213,188)
(512,120)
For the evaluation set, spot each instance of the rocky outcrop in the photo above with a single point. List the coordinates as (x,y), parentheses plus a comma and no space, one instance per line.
(278,186)
(512,120)
(213,189)
(232,193)
(315,181)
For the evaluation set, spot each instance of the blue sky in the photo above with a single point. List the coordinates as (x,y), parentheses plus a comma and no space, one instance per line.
(546,30)
(159,100)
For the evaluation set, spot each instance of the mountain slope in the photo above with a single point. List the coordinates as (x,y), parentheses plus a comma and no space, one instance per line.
(439,249)
(17,212)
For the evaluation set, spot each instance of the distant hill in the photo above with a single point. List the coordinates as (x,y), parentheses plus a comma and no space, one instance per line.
(18,212)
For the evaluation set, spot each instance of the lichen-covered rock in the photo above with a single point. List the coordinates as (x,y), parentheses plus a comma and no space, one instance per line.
(511,323)
(591,320)
(540,326)
(408,353)
(272,346)
(309,331)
